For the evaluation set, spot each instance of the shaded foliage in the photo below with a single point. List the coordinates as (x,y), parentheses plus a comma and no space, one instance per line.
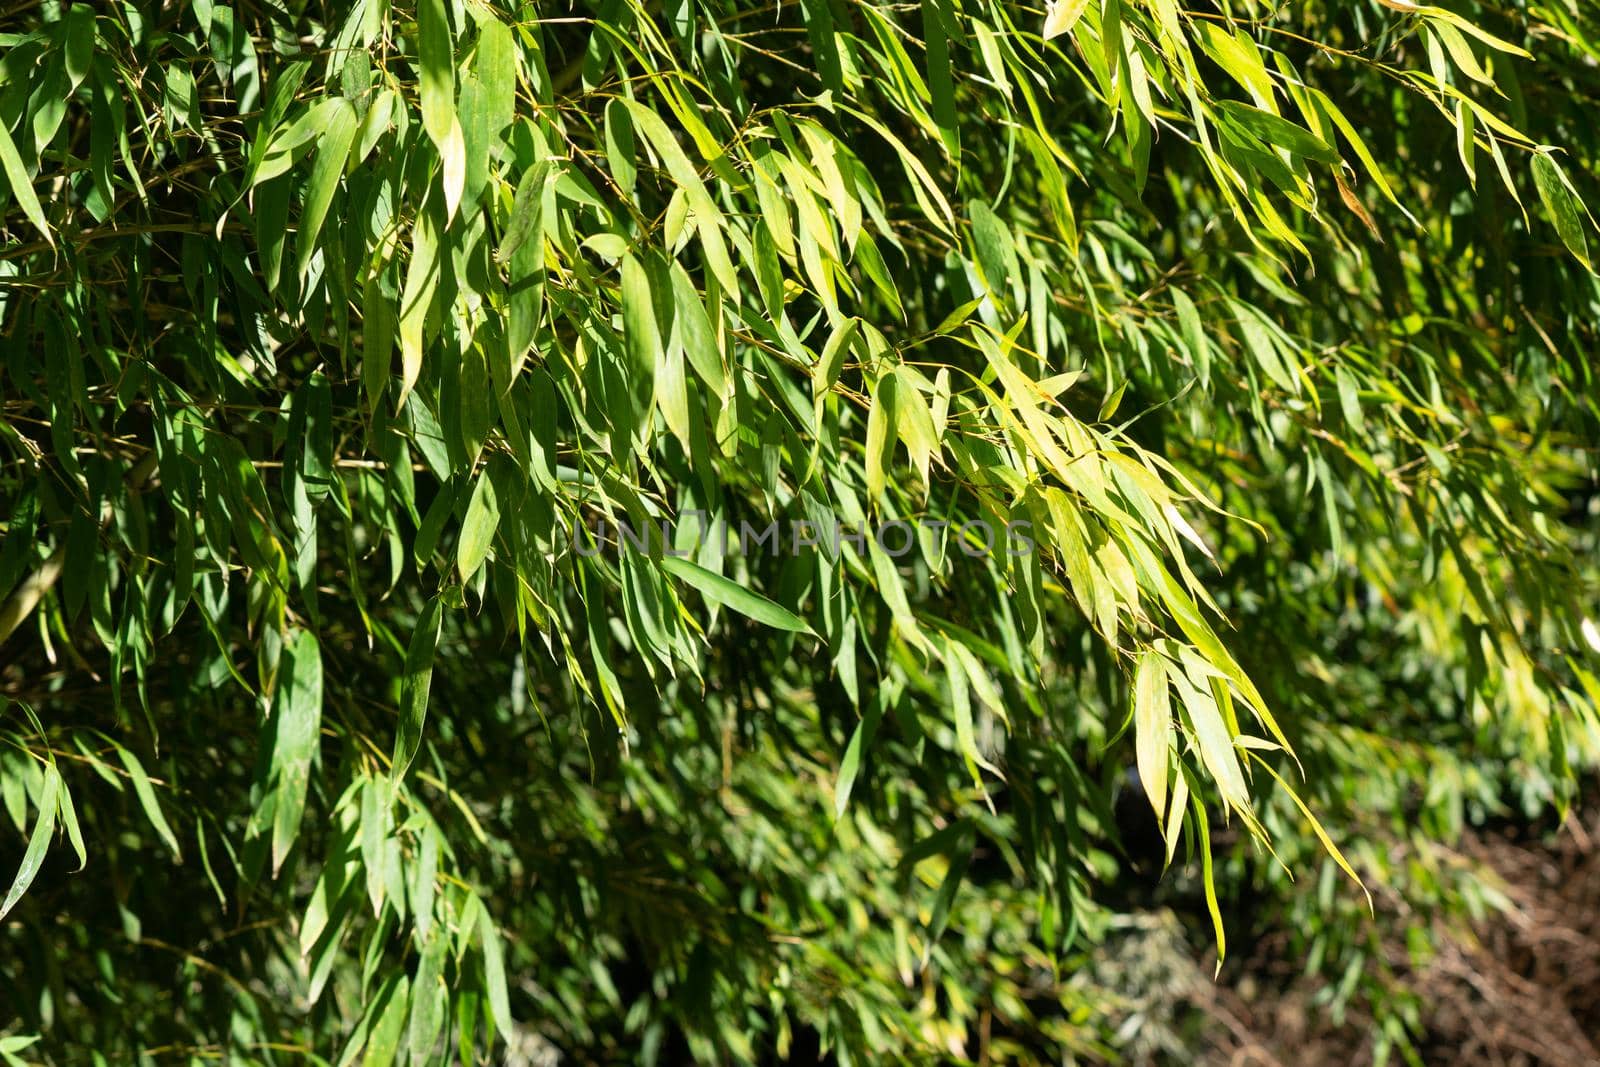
(346,345)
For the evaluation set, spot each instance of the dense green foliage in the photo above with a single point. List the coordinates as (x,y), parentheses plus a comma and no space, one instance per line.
(343,341)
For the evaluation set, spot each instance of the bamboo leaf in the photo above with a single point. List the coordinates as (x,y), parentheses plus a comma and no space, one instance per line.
(639,326)
(494,974)
(882,432)
(422,280)
(38,842)
(20,185)
(415,683)
(429,999)
(1061,16)
(437,73)
(78,47)
(1152,720)
(1562,204)
(145,792)
(1278,132)
(697,334)
(333,152)
(719,590)
(388,1031)
(1209,881)
(996,254)
(478,528)
(297,711)
(827,369)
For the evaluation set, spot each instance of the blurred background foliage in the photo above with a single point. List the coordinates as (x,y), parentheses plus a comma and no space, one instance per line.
(342,339)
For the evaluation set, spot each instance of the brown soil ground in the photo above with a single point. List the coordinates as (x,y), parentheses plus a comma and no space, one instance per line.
(1520,989)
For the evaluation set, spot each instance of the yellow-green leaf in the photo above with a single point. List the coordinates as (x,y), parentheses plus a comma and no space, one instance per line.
(1152,725)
